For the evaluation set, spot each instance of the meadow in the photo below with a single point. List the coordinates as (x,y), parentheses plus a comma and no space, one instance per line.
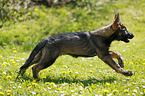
(70,76)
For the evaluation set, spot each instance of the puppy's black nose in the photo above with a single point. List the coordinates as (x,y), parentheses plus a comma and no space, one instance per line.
(130,36)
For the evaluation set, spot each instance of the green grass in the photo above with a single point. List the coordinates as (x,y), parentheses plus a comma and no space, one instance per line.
(74,76)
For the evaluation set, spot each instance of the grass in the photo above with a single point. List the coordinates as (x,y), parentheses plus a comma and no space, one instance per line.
(73,76)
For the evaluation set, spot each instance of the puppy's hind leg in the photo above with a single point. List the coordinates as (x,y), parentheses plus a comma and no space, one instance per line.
(47,59)
(27,64)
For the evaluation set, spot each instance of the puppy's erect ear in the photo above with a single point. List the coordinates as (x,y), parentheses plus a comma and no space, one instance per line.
(116,22)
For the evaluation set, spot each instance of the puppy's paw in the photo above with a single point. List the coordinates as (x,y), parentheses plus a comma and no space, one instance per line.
(128,73)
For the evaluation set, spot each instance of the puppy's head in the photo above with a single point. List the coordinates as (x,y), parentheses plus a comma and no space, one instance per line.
(120,30)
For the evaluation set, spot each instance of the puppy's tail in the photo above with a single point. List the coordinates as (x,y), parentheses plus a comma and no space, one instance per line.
(36,50)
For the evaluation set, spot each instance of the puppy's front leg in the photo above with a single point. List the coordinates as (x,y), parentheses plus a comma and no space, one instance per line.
(108,59)
(118,56)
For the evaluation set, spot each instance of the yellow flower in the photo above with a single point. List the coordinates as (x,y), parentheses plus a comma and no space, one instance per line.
(106,91)
(9,91)
(3,64)
(52,78)
(143,63)
(19,76)
(124,62)
(0,87)
(35,84)
(29,13)
(89,24)
(1,93)
(115,91)
(23,53)
(126,91)
(35,9)
(76,75)
(63,72)
(9,94)
(24,26)
(8,77)
(47,82)
(130,63)
(15,12)
(91,71)
(57,19)
(30,87)
(1,56)
(15,51)
(44,77)
(4,73)
(52,83)
(107,84)
(14,48)
(58,89)
(4,44)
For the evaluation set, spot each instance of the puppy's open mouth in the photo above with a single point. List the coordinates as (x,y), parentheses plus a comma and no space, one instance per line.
(130,36)
(126,40)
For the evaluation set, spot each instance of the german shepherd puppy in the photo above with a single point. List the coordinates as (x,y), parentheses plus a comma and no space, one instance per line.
(84,44)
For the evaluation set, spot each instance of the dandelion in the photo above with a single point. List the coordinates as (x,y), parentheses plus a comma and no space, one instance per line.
(9,91)
(19,76)
(8,77)
(108,84)
(16,64)
(0,87)
(23,53)
(124,62)
(1,56)
(30,87)
(52,78)
(106,91)
(4,44)
(115,91)
(14,51)
(18,58)
(1,93)
(34,80)
(57,19)
(76,75)
(47,83)
(58,89)
(143,63)
(91,71)
(3,64)
(35,9)
(4,73)
(29,13)
(24,26)
(126,91)
(130,63)
(89,24)
(35,84)
(9,94)
(44,77)
(63,72)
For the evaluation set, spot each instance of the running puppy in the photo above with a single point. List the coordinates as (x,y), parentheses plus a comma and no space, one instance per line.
(85,44)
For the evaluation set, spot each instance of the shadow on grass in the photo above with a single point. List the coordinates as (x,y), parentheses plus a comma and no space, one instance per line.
(60,80)
(83,81)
